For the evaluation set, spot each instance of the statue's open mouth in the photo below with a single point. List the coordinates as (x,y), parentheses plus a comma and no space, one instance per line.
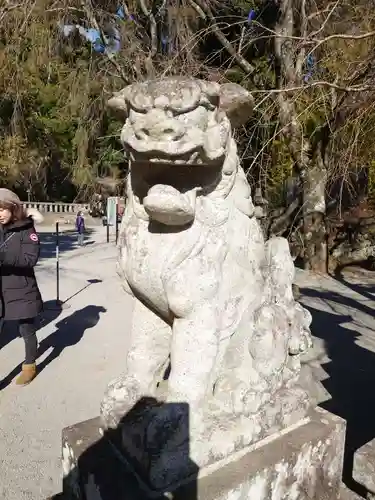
(193,159)
(169,169)
(168,190)
(190,157)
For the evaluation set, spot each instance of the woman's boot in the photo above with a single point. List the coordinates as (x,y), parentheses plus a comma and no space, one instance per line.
(28,333)
(27,375)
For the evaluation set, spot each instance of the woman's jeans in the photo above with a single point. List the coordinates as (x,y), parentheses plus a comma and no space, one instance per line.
(27,331)
(81,238)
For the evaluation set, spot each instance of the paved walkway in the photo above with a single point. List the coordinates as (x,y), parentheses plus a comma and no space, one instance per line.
(82,350)
(342,362)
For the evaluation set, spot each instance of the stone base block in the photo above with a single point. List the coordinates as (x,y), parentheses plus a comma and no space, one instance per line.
(364,468)
(347,494)
(168,442)
(301,463)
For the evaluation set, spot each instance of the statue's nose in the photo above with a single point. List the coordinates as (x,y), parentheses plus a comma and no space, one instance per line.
(158,126)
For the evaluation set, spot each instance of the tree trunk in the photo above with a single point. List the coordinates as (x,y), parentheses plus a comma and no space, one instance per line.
(314,208)
(307,153)
(315,241)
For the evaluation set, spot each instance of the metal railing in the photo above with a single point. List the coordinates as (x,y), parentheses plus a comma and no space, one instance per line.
(57,208)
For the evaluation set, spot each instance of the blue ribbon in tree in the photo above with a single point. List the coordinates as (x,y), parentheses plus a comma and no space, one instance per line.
(251,16)
(120,13)
(94,37)
(310,66)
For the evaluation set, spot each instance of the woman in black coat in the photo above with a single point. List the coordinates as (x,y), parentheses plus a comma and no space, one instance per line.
(20,296)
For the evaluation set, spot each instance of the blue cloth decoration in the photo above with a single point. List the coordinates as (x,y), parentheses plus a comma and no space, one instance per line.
(310,66)
(251,16)
(93,36)
(310,61)
(67,29)
(114,42)
(121,13)
(98,47)
(164,43)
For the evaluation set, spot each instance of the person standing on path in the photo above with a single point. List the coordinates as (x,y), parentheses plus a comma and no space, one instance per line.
(80,226)
(21,300)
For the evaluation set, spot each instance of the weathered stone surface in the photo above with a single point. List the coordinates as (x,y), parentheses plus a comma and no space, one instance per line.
(364,467)
(76,440)
(300,463)
(346,494)
(215,325)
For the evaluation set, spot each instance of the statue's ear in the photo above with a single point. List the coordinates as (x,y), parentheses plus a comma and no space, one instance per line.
(236,102)
(117,103)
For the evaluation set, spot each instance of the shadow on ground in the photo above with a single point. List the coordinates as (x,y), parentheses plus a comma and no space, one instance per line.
(366,290)
(10,330)
(100,473)
(68,240)
(69,332)
(351,372)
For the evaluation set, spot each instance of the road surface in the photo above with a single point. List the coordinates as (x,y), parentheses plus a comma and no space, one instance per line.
(81,351)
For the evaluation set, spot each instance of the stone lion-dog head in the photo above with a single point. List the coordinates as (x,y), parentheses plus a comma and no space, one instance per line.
(178,139)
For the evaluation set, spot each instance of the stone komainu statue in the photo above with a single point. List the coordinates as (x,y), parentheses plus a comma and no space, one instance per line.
(215,323)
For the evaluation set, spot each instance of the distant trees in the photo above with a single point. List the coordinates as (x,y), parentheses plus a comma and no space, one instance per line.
(309,64)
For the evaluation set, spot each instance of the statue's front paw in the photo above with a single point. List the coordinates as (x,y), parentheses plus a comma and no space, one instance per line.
(253,401)
(120,397)
(238,394)
(307,341)
(300,344)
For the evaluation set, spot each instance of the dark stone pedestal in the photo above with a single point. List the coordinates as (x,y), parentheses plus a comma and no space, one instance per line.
(301,463)
(92,467)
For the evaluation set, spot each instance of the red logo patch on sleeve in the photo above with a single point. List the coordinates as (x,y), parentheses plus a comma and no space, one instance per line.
(34,237)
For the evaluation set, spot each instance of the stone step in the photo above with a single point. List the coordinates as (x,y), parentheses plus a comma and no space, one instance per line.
(364,468)
(346,494)
(93,463)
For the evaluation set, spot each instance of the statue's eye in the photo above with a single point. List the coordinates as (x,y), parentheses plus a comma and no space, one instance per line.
(140,111)
(142,102)
(135,115)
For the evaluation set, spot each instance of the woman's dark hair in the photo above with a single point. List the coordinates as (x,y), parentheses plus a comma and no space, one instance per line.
(18,211)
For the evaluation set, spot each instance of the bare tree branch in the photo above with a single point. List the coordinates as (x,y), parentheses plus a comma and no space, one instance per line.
(280,225)
(320,83)
(7,8)
(342,36)
(153,34)
(87,7)
(318,13)
(324,24)
(310,39)
(301,57)
(204,11)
